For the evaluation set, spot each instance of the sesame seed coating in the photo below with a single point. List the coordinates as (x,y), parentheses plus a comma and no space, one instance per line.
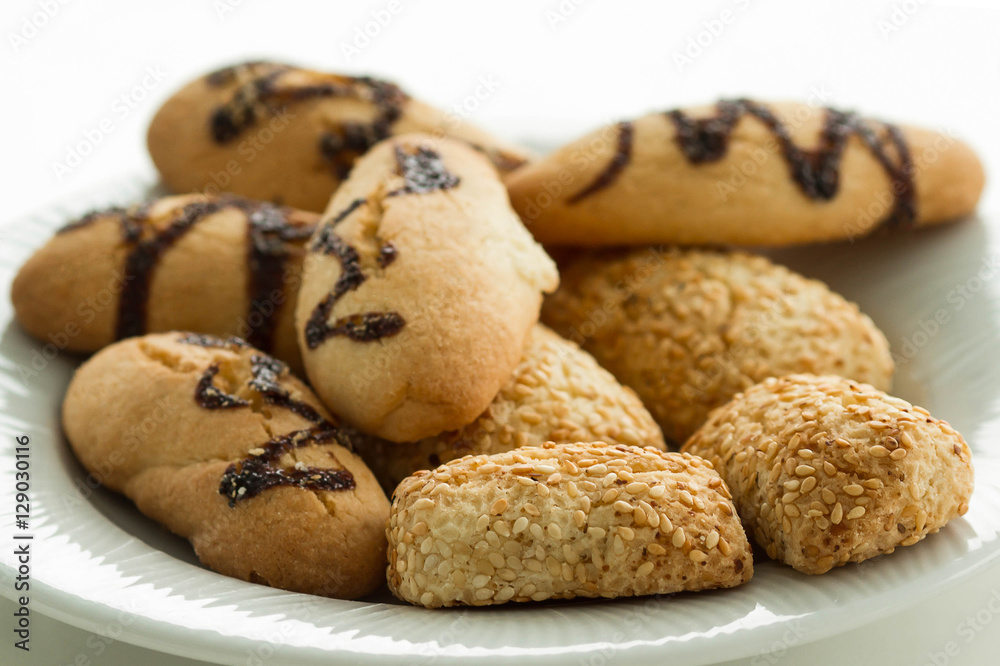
(865,502)
(565,546)
(557,393)
(688,329)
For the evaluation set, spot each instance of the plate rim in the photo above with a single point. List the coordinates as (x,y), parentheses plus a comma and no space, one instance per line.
(147,631)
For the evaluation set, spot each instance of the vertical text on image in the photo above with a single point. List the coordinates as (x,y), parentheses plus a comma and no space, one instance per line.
(22,542)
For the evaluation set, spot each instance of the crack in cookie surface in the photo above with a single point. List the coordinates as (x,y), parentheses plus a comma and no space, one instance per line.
(260,470)
(359,327)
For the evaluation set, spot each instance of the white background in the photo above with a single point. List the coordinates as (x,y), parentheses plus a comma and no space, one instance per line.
(81,78)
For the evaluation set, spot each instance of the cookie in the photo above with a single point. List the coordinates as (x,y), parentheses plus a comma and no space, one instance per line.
(280,133)
(557,393)
(826,471)
(688,329)
(746,173)
(222,445)
(420,290)
(563,521)
(218,265)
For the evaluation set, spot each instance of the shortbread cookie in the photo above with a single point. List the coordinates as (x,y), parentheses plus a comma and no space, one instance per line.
(420,291)
(827,471)
(746,173)
(557,393)
(563,521)
(688,329)
(280,133)
(217,441)
(219,265)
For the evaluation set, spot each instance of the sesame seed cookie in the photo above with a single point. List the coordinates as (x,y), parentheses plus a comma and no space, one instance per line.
(218,265)
(745,172)
(563,521)
(558,393)
(420,290)
(276,132)
(688,329)
(827,471)
(223,446)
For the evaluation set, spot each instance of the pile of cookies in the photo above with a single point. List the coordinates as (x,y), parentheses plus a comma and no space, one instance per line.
(268,375)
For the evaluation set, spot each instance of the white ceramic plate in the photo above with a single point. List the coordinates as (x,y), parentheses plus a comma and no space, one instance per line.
(99,565)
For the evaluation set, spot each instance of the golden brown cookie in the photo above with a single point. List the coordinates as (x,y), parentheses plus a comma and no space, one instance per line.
(826,471)
(563,521)
(688,329)
(420,290)
(218,265)
(221,444)
(747,173)
(280,133)
(557,393)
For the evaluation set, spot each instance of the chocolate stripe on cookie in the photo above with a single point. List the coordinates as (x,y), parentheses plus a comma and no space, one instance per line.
(210,396)
(269,234)
(351,207)
(503,160)
(252,476)
(262,93)
(128,218)
(816,172)
(92,217)
(387,254)
(623,153)
(363,327)
(368,326)
(423,171)
(351,276)
(213,341)
(229,120)
(265,372)
(258,472)
(342,147)
(904,213)
(228,75)
(142,260)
